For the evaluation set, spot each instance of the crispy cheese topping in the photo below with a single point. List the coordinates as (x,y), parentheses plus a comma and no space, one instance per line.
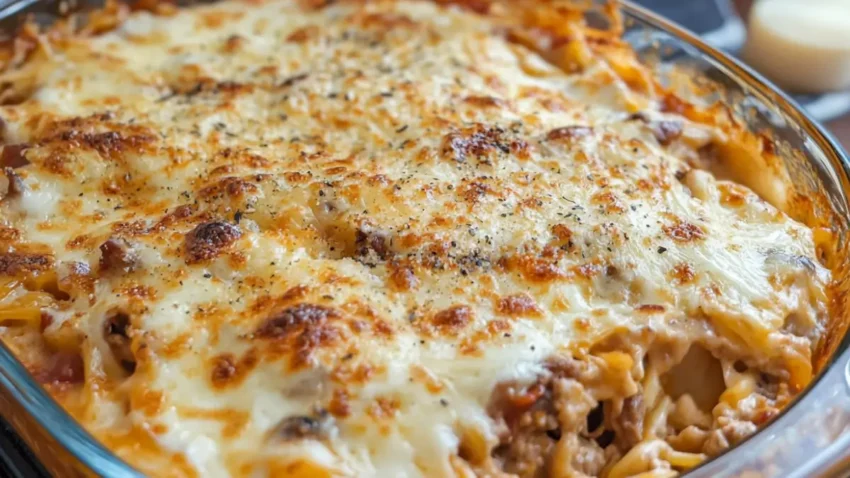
(389,239)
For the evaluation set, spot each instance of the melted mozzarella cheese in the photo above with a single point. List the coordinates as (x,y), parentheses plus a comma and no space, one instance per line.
(425,211)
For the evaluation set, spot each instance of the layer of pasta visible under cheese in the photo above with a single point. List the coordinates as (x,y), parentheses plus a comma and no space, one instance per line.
(386,239)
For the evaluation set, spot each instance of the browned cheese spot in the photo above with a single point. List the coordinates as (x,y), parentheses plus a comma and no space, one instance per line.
(174,217)
(229,186)
(340,404)
(293,318)
(402,276)
(683,273)
(9,234)
(452,320)
(296,177)
(485,102)
(110,144)
(21,263)
(562,232)
(223,369)
(82,241)
(477,141)
(650,308)
(569,133)
(473,192)
(535,268)
(387,21)
(295,293)
(590,270)
(732,195)
(684,232)
(303,34)
(609,201)
(234,43)
(302,328)
(383,408)
(518,305)
(227,371)
(209,240)
(673,104)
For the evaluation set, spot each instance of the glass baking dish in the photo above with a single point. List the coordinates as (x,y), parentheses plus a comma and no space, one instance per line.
(811,438)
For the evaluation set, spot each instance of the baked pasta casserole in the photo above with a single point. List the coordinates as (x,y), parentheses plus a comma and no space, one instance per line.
(395,238)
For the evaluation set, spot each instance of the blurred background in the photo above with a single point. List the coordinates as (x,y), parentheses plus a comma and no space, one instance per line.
(802,45)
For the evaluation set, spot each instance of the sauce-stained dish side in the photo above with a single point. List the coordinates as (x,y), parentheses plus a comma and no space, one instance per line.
(394,238)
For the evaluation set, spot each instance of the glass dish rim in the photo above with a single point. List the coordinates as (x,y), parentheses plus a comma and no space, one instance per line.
(90,453)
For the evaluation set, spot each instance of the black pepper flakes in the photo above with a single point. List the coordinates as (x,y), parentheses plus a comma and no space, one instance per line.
(662,249)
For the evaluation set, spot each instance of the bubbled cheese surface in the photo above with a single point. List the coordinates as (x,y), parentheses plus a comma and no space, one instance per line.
(409,210)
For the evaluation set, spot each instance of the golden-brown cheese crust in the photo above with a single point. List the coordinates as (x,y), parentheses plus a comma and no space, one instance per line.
(370,237)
